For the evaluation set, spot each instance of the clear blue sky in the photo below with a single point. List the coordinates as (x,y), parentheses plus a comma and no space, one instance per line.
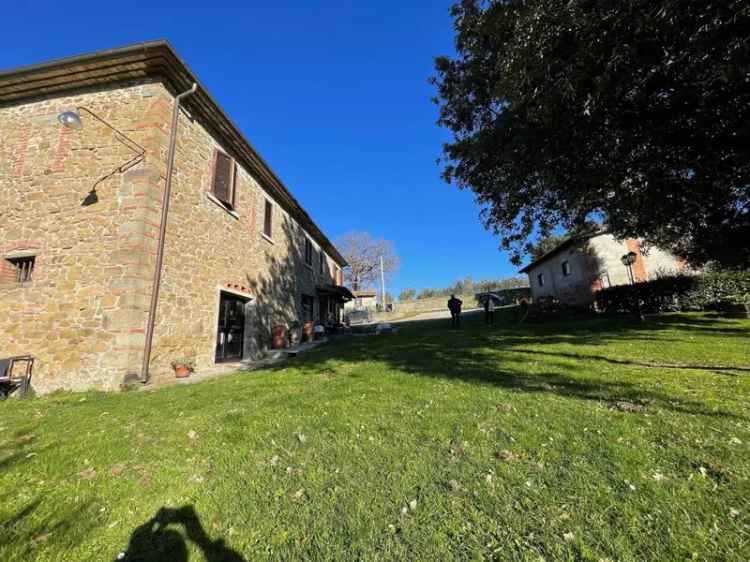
(334,95)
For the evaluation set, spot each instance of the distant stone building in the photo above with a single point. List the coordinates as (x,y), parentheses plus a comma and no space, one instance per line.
(578,267)
(80,212)
(363,300)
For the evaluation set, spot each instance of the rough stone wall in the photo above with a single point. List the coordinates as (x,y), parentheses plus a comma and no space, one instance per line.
(574,288)
(82,315)
(597,263)
(362,303)
(210,249)
(610,252)
(660,262)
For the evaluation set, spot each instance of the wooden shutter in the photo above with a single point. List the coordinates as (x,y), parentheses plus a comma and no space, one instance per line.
(223,184)
(267,218)
(234,185)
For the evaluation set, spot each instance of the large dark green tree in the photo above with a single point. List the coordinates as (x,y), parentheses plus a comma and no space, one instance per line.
(634,111)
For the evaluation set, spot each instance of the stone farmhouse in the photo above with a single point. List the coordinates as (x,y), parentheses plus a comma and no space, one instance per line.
(83,168)
(363,300)
(574,270)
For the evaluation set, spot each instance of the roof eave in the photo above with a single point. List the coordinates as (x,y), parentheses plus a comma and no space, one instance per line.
(159,59)
(559,248)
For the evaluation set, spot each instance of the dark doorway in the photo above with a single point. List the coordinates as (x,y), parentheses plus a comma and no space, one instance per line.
(231,331)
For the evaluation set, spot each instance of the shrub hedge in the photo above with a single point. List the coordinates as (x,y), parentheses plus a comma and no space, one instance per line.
(677,292)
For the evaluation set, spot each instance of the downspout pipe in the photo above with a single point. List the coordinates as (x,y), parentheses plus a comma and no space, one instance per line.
(145,374)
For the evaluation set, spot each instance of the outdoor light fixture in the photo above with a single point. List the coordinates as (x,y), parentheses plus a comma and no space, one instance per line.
(628,260)
(70,119)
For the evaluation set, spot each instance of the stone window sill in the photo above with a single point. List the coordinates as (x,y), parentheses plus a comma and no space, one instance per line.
(230,212)
(16,284)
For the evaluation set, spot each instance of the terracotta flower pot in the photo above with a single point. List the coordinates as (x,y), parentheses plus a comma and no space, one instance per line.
(279,337)
(181,371)
(309,330)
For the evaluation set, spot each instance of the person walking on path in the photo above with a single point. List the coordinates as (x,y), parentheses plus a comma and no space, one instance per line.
(489,310)
(454,305)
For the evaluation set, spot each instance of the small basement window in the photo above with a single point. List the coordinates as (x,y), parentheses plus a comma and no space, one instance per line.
(540,279)
(21,269)
(566,268)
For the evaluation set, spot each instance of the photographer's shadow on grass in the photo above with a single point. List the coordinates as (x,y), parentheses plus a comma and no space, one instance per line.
(160,539)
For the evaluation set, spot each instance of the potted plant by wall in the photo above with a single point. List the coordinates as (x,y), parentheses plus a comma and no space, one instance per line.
(308,329)
(295,333)
(279,336)
(183,366)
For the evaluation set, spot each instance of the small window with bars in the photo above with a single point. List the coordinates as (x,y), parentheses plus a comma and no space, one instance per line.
(20,269)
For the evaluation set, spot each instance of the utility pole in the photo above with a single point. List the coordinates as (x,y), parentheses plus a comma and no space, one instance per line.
(382,282)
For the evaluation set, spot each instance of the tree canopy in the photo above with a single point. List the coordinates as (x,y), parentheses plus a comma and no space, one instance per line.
(637,111)
(548,243)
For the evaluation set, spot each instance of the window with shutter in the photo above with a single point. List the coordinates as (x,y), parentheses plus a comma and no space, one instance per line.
(224,179)
(268,219)
(322,262)
(308,251)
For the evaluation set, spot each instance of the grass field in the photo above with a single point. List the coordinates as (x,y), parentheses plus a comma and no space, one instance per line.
(588,440)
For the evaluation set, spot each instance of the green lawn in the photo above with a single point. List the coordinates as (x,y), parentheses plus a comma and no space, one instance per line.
(586,440)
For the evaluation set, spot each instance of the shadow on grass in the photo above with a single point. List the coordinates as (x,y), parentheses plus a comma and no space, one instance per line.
(480,355)
(646,364)
(25,532)
(158,539)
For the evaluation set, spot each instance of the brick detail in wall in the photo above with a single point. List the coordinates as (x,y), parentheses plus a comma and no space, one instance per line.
(639,267)
(84,319)
(63,147)
(7,271)
(21,150)
(84,314)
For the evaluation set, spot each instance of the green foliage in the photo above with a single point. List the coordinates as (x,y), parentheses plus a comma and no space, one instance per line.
(517,443)
(636,111)
(716,286)
(427,293)
(186,361)
(677,292)
(548,243)
(467,286)
(544,245)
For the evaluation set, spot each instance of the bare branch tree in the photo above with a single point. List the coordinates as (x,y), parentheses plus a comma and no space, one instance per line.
(363,253)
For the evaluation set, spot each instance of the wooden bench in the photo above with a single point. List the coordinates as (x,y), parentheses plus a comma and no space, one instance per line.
(15,373)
